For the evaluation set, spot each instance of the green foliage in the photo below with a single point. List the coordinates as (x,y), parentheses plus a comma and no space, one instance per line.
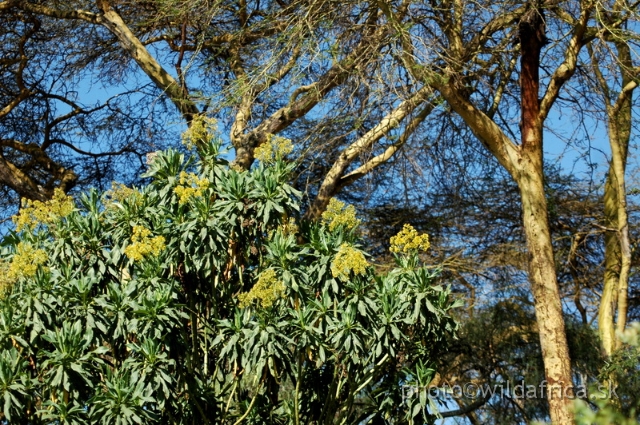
(99,335)
(621,374)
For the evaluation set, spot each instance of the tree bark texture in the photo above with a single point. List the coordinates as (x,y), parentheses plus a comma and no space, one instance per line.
(612,312)
(542,268)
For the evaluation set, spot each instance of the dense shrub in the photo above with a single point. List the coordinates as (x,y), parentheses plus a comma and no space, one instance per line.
(200,299)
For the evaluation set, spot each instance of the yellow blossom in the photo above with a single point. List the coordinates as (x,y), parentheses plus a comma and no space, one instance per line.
(201,131)
(25,263)
(143,245)
(34,213)
(5,281)
(338,215)
(290,227)
(267,290)
(236,167)
(408,240)
(274,148)
(190,186)
(347,260)
(120,193)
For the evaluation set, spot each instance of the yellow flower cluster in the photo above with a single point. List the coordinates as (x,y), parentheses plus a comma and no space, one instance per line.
(347,260)
(290,227)
(267,290)
(25,263)
(37,212)
(190,186)
(338,215)
(143,245)
(201,131)
(119,193)
(408,240)
(274,148)
(236,167)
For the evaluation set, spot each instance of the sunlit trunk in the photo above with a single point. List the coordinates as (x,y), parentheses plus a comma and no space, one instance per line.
(608,301)
(542,269)
(612,313)
(542,277)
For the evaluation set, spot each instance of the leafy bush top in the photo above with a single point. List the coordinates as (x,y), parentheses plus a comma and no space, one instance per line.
(200,298)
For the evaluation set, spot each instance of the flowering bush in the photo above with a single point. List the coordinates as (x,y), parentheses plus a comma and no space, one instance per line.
(200,299)
(340,215)
(274,149)
(408,241)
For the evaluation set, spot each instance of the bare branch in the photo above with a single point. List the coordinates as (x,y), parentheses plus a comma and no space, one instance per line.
(331,181)
(568,66)
(92,154)
(374,162)
(146,62)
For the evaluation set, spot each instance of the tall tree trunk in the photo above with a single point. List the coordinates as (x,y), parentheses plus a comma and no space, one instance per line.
(542,276)
(617,243)
(542,268)
(618,162)
(608,301)
(524,163)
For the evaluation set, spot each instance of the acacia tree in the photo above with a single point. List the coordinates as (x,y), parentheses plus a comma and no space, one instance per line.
(269,61)
(372,72)
(523,161)
(269,64)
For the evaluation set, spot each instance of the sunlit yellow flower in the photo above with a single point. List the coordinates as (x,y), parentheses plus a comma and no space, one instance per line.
(290,227)
(202,131)
(338,215)
(274,148)
(348,260)
(120,193)
(143,245)
(34,213)
(236,167)
(24,263)
(408,240)
(190,187)
(5,281)
(267,290)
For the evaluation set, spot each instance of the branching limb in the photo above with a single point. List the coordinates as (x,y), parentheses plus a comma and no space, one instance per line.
(25,185)
(374,162)
(568,66)
(331,182)
(132,45)
(39,9)
(288,114)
